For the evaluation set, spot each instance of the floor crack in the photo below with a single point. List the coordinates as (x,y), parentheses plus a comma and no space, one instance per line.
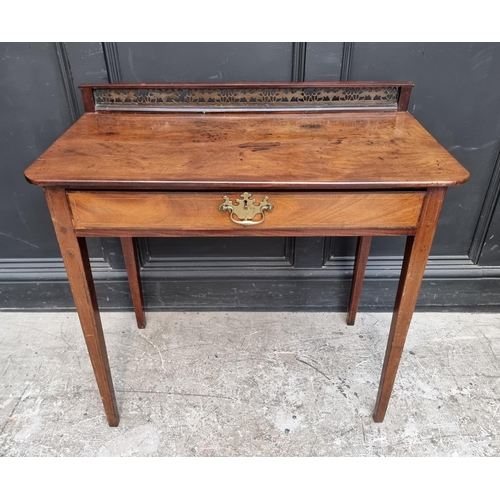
(159,352)
(313,367)
(9,418)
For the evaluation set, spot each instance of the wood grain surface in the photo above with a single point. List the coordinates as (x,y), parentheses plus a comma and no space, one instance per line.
(362,253)
(198,212)
(131,258)
(76,260)
(414,262)
(285,151)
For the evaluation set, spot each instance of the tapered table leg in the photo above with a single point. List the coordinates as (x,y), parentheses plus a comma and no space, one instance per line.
(76,260)
(414,262)
(134,278)
(362,252)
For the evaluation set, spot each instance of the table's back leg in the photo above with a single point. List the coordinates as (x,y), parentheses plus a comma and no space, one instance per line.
(414,262)
(76,260)
(134,278)
(362,252)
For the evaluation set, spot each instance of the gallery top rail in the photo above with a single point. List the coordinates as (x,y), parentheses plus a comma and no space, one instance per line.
(245,96)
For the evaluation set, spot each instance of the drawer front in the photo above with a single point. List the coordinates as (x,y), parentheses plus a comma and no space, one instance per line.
(209,211)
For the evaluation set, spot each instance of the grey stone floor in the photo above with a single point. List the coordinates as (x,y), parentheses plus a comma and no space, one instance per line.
(250,384)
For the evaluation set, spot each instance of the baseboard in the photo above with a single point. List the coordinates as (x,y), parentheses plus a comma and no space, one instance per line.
(259,294)
(450,283)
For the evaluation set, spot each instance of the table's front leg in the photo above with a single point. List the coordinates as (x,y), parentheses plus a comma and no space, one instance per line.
(414,262)
(76,260)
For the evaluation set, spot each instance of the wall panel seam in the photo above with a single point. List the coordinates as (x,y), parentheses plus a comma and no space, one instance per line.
(346,65)
(486,214)
(113,67)
(299,50)
(67,78)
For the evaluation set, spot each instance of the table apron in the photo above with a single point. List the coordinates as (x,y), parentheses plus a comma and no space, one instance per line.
(98,213)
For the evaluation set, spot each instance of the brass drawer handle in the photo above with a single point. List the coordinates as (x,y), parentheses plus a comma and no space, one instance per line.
(246,209)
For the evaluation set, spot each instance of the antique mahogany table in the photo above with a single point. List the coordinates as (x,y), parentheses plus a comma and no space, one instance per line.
(273,159)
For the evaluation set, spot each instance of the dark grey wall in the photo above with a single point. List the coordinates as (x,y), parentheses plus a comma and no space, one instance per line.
(33,113)
(457,98)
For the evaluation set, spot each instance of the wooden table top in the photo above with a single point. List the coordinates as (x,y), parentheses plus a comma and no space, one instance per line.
(285,151)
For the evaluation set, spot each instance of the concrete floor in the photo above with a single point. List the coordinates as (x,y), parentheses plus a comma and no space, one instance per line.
(250,384)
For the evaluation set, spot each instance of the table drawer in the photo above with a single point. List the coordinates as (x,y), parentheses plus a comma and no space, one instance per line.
(215,211)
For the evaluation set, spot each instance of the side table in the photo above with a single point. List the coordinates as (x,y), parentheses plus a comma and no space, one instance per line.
(270,159)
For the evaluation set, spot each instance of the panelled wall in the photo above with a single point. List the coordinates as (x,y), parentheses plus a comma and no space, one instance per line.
(456,97)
